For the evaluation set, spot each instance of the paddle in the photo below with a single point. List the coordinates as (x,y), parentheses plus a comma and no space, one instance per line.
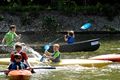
(33,68)
(86,26)
(47,47)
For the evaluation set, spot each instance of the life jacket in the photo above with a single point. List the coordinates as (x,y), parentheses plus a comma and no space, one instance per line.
(57,59)
(20,65)
(70,39)
(21,55)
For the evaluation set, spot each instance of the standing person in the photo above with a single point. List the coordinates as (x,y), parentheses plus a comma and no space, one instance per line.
(55,56)
(69,38)
(10,38)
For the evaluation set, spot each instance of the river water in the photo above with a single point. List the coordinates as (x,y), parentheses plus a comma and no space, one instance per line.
(76,72)
(110,72)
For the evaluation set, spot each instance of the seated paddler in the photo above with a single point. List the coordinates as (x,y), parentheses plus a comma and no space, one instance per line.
(55,56)
(17,64)
(70,37)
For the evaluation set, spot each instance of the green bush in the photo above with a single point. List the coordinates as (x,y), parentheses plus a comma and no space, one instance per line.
(50,24)
(1,18)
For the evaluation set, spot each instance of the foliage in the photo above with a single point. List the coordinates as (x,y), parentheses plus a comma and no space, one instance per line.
(50,24)
(1,18)
(109,28)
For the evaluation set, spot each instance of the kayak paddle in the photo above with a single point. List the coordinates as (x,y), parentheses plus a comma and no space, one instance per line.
(49,67)
(86,26)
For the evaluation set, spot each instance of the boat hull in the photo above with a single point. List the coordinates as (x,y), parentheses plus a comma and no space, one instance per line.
(82,62)
(88,45)
(110,57)
(67,62)
(19,75)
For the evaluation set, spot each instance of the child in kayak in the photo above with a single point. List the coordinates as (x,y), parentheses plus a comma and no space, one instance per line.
(69,38)
(55,56)
(18,48)
(17,64)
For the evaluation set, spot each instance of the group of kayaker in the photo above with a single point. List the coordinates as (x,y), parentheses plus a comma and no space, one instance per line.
(19,58)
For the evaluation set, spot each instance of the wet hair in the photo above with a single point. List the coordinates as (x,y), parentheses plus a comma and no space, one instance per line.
(12,27)
(71,34)
(18,46)
(17,56)
(56,45)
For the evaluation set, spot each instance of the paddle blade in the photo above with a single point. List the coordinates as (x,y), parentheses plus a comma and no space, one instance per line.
(86,26)
(47,47)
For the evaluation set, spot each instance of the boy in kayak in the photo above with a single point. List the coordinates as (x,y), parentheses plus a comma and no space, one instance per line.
(18,48)
(10,38)
(17,64)
(69,38)
(55,56)
(24,59)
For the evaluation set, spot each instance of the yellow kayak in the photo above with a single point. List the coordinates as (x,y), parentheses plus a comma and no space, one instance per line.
(82,62)
(65,62)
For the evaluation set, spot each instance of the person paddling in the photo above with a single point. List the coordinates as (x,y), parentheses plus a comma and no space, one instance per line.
(18,48)
(17,64)
(69,38)
(55,56)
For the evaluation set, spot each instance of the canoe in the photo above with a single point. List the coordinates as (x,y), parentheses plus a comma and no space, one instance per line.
(88,45)
(66,62)
(19,75)
(110,57)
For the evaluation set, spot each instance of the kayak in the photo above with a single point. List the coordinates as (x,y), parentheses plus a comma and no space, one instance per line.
(82,62)
(6,61)
(110,57)
(19,75)
(65,62)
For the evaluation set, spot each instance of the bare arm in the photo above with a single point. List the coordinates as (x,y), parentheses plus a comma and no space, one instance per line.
(28,64)
(65,38)
(3,41)
(17,37)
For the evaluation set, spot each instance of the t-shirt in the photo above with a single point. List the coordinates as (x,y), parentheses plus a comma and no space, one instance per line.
(24,56)
(56,56)
(70,39)
(10,38)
